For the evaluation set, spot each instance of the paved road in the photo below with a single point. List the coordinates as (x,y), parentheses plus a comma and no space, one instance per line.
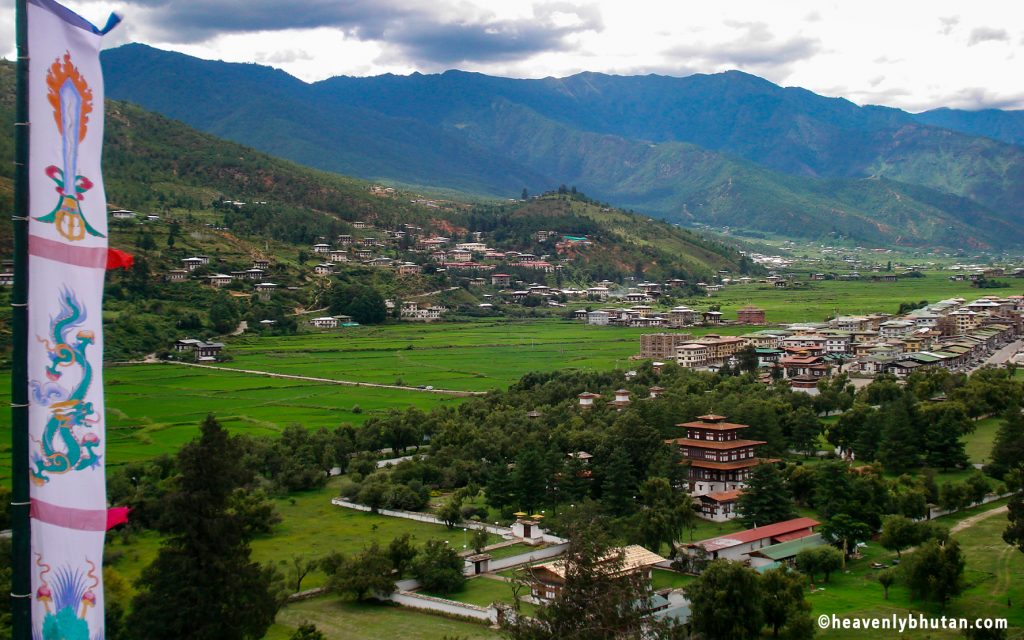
(1004,354)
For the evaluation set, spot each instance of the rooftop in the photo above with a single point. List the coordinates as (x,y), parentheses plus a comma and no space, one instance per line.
(758,533)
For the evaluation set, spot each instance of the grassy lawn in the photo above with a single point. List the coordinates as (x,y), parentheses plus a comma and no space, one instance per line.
(707,529)
(979,444)
(994,574)
(342,619)
(481,592)
(512,550)
(665,579)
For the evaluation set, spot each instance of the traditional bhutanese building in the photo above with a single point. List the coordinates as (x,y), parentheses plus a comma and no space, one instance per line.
(549,578)
(719,459)
(750,315)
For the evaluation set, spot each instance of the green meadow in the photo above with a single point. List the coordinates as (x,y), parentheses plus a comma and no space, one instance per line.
(153,409)
(344,619)
(814,301)
(466,356)
(310,527)
(994,580)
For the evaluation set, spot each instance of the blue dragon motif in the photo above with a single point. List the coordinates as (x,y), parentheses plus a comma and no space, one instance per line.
(67,444)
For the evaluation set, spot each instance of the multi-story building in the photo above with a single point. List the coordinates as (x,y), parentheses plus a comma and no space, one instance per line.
(719,458)
(750,315)
(662,346)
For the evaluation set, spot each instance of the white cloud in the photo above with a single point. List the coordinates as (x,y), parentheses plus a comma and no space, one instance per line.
(909,55)
(986,34)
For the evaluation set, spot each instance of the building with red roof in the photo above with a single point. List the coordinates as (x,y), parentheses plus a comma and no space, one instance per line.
(738,546)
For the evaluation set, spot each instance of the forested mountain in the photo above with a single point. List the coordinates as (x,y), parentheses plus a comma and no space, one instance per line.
(154,163)
(1006,126)
(728,149)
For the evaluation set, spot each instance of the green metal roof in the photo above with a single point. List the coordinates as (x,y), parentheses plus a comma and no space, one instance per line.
(789,549)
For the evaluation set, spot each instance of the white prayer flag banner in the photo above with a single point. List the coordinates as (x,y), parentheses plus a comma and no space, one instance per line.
(67,261)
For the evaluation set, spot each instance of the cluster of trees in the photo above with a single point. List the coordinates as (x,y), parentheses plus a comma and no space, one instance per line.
(731,600)
(298,460)
(525,461)
(374,570)
(364,303)
(901,428)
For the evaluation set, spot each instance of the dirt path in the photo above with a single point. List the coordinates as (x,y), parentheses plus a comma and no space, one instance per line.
(975,519)
(344,383)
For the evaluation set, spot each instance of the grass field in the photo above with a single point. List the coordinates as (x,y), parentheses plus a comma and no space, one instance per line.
(978,444)
(342,619)
(813,301)
(994,574)
(154,409)
(482,592)
(471,356)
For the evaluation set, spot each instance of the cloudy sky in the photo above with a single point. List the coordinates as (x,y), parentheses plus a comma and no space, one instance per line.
(912,54)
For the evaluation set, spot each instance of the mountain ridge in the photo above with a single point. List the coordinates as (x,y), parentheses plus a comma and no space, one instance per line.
(478,133)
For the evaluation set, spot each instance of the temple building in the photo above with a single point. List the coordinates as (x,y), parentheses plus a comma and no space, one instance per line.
(720,462)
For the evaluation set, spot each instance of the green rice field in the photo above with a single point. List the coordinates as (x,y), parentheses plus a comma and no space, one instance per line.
(466,356)
(153,409)
(814,301)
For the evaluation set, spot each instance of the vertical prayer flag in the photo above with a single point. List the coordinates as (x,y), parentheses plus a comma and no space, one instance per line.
(67,259)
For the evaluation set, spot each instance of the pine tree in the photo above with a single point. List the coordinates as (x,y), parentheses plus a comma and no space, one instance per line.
(528,480)
(901,445)
(575,482)
(944,444)
(1008,447)
(619,486)
(726,601)
(202,584)
(765,499)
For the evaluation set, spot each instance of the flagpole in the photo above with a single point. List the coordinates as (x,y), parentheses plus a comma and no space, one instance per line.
(21,578)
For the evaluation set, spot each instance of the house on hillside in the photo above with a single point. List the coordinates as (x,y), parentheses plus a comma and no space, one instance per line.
(194,263)
(176,275)
(208,351)
(264,290)
(325,322)
(219,280)
(186,344)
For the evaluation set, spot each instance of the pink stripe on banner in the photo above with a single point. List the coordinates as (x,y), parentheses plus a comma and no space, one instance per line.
(92,257)
(69,517)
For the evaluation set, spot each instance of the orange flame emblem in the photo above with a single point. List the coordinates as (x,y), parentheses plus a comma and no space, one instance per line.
(59,73)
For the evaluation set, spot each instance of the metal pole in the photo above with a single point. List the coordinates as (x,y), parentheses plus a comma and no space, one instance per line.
(21,578)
